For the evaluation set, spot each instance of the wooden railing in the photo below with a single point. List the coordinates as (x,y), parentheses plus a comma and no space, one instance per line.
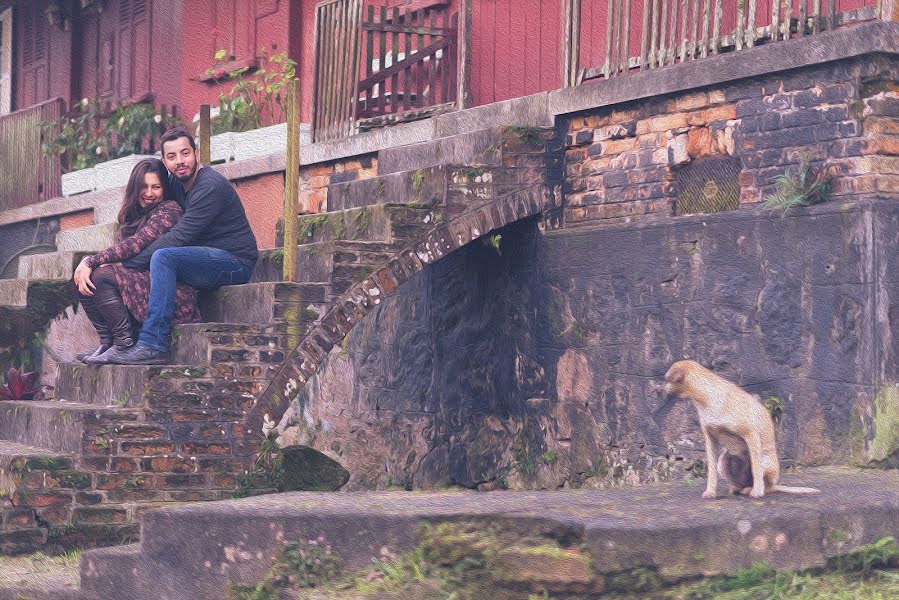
(374,64)
(26,175)
(648,34)
(409,58)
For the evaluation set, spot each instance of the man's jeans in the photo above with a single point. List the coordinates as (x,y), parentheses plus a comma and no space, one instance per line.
(199,266)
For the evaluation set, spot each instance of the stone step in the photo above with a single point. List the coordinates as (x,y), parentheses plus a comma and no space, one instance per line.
(118,385)
(420,187)
(323,265)
(102,572)
(53,265)
(262,302)
(57,425)
(87,239)
(374,223)
(13,293)
(666,528)
(476,147)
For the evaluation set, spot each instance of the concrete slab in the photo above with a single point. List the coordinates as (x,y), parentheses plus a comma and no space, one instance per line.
(54,265)
(193,551)
(13,293)
(87,239)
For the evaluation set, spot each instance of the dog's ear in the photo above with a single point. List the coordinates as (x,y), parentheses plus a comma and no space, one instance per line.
(675,374)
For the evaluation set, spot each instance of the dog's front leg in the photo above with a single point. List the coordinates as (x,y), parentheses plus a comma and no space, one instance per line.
(711,486)
(754,444)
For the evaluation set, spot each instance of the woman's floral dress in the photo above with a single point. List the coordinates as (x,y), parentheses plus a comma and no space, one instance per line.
(135,285)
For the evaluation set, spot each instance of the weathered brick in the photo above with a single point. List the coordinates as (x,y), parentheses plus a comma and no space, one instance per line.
(204,448)
(101,514)
(56,498)
(54,515)
(691,101)
(147,448)
(120,482)
(169,464)
(169,481)
(219,355)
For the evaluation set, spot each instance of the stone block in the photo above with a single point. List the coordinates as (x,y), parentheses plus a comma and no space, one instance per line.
(54,265)
(221,147)
(13,292)
(79,182)
(115,173)
(87,239)
(265,141)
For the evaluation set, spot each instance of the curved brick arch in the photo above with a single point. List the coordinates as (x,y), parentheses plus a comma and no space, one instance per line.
(521,201)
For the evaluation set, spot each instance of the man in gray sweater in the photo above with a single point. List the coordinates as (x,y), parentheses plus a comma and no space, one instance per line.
(211,246)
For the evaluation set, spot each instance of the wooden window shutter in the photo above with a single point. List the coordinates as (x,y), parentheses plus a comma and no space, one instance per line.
(133,49)
(34,78)
(5,61)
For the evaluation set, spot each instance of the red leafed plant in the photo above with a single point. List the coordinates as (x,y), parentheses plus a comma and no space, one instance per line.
(21,386)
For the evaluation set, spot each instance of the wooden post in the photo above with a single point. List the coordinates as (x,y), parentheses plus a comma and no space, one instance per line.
(205,135)
(291,180)
(463,92)
(571,45)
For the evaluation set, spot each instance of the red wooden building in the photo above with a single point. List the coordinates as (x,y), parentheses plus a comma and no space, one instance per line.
(375,58)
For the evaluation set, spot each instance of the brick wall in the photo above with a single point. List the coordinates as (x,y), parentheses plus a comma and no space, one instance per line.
(623,161)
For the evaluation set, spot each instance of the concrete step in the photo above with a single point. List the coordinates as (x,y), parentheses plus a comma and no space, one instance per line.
(262,302)
(54,265)
(56,425)
(13,293)
(375,223)
(87,239)
(119,385)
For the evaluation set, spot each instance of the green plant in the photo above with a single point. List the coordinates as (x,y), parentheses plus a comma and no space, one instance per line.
(494,241)
(866,558)
(775,407)
(550,457)
(267,470)
(256,98)
(299,565)
(528,134)
(88,135)
(804,187)
(418,179)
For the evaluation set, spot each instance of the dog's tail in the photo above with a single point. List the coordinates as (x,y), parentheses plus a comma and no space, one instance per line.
(794,490)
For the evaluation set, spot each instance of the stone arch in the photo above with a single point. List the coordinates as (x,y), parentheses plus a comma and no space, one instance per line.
(479,220)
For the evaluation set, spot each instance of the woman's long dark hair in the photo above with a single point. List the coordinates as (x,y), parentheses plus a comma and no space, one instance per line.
(131,212)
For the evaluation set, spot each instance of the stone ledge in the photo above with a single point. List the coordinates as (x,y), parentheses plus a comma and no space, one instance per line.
(829,46)
(664,526)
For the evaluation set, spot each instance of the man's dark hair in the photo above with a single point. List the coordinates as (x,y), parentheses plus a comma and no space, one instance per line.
(173,134)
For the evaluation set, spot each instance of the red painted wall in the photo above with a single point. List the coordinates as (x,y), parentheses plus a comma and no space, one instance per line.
(515,48)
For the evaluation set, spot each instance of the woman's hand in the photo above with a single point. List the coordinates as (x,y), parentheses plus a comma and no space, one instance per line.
(82,278)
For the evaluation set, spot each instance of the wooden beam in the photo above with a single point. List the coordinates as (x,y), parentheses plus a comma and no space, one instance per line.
(292,180)
(205,135)
(571,45)
(463,65)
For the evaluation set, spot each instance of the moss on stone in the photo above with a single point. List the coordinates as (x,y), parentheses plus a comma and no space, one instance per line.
(886,424)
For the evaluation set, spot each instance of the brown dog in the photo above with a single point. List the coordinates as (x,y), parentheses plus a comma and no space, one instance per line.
(738,432)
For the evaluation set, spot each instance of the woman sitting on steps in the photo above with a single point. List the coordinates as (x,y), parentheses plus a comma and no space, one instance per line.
(114,296)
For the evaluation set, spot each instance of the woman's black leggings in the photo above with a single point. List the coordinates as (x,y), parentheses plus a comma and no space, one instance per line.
(107,310)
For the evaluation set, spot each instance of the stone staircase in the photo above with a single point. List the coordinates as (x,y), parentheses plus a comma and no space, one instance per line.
(80,469)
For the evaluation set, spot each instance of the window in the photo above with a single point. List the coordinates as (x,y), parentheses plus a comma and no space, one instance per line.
(5,61)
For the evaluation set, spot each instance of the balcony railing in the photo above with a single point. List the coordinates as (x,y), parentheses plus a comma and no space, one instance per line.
(26,175)
(611,38)
(378,65)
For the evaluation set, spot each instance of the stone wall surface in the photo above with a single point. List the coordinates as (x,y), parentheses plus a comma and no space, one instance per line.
(561,384)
